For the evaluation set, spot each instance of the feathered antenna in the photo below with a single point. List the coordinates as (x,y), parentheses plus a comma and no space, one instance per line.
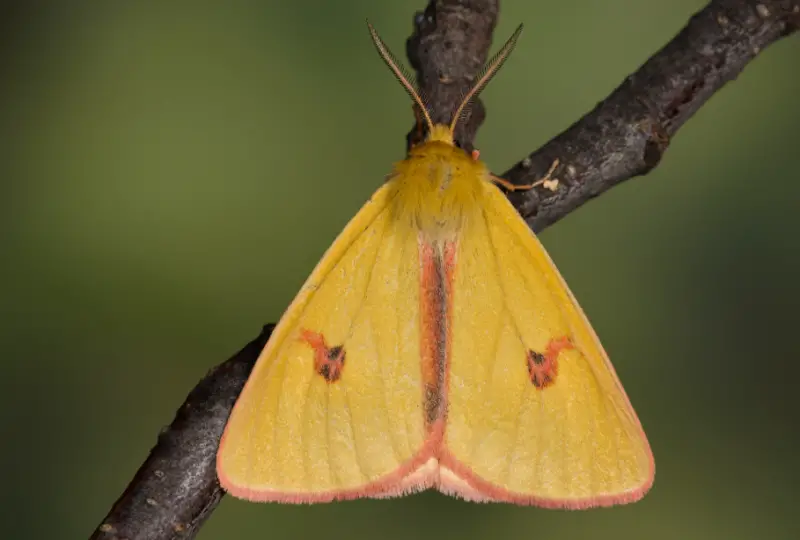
(486,75)
(401,73)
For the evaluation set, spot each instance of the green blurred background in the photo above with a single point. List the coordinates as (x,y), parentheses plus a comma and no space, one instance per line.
(171,172)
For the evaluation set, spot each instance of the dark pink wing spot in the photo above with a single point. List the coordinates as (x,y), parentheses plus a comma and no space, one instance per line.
(328,361)
(543,367)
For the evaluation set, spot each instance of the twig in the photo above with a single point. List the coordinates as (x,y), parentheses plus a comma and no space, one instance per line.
(176,488)
(626,134)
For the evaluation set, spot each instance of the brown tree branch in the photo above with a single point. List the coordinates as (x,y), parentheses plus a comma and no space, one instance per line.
(176,488)
(626,134)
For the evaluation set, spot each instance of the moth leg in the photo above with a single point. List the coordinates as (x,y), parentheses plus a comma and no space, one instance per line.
(547,181)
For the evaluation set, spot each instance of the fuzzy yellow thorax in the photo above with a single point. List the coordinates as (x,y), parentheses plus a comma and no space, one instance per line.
(438,186)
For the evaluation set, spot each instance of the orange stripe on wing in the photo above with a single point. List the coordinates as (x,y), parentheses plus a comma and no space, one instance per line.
(449,274)
(437,262)
(430,298)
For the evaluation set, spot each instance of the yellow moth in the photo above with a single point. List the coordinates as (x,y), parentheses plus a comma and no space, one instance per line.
(436,345)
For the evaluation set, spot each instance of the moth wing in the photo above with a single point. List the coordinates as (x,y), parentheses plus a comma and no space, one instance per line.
(572,440)
(296,436)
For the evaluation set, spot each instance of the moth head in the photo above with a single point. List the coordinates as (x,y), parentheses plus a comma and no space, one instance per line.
(443,132)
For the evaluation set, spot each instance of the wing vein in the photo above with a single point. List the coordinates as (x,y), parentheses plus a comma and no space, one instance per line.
(304,439)
(389,362)
(404,248)
(505,313)
(370,275)
(332,473)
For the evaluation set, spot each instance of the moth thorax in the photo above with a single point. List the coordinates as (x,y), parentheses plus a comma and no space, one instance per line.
(438,188)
